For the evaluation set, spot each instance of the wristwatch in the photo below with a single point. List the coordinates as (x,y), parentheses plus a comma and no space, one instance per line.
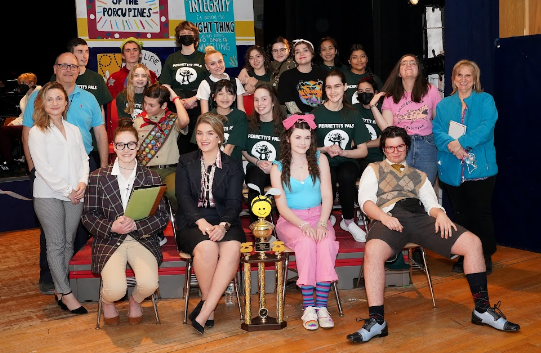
(226,225)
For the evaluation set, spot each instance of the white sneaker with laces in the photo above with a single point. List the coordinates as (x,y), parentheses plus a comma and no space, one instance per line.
(332,218)
(324,318)
(309,319)
(358,234)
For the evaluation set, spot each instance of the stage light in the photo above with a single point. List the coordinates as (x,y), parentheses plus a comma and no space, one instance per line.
(434,65)
(414,2)
(428,3)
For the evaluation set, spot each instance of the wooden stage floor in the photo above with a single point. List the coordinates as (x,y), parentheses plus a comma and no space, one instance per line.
(32,322)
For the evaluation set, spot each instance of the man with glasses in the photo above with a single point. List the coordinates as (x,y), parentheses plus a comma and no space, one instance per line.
(83,112)
(404,208)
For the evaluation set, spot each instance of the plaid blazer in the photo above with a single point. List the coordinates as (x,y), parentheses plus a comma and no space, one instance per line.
(103,205)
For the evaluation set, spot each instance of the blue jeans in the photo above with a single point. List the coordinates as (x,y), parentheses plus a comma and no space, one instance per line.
(422,155)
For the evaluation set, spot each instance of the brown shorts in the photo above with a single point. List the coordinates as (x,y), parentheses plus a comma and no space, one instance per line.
(419,228)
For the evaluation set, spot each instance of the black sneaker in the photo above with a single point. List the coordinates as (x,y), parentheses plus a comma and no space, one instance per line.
(370,329)
(46,288)
(495,318)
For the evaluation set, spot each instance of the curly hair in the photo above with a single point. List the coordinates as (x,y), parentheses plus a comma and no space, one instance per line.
(285,153)
(130,89)
(277,114)
(266,60)
(40,116)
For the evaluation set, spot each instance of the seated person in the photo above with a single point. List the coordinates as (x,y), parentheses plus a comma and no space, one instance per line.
(305,203)
(209,183)
(404,212)
(118,239)
(158,130)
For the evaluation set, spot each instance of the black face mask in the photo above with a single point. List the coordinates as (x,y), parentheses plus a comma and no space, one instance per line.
(186,39)
(23,88)
(365,97)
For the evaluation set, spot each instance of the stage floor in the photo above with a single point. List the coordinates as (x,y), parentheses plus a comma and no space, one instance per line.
(32,322)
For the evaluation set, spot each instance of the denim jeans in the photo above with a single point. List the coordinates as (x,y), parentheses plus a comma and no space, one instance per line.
(422,155)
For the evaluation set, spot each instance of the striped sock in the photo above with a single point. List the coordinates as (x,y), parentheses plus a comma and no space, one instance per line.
(307,296)
(322,293)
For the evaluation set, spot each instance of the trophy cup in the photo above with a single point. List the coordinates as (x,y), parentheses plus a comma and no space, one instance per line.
(262,231)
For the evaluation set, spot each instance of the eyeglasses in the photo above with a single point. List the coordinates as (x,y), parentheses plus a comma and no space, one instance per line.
(281,50)
(68,67)
(410,63)
(399,148)
(120,146)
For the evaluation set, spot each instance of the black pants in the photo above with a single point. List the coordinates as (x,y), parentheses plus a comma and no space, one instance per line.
(81,237)
(184,143)
(346,175)
(472,206)
(256,176)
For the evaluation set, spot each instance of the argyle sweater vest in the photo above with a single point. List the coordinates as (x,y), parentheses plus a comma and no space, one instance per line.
(394,186)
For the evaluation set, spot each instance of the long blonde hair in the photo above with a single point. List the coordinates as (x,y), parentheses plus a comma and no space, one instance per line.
(130,88)
(40,116)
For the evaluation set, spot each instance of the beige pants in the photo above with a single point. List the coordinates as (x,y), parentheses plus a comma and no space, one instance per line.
(143,264)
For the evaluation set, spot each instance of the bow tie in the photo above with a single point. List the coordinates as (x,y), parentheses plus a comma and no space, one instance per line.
(398,167)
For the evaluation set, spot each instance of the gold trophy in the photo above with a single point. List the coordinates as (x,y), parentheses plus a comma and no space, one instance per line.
(262,231)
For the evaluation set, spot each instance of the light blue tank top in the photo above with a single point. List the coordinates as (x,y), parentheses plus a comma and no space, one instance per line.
(303,194)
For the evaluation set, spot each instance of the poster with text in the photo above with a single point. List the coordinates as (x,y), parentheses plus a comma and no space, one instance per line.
(215,20)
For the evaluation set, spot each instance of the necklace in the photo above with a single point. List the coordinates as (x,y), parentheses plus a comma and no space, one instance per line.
(125,168)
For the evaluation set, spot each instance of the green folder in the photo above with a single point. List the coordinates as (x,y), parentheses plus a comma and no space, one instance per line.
(144,201)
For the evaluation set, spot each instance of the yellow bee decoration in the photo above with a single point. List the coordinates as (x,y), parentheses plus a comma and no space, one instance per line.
(262,204)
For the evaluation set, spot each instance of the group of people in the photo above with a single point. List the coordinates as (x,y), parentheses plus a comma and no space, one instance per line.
(315,129)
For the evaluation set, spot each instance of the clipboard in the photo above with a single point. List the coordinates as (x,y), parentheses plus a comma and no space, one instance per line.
(456,129)
(144,201)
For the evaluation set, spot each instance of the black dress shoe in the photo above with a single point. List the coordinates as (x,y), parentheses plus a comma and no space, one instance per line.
(196,311)
(198,327)
(209,323)
(458,267)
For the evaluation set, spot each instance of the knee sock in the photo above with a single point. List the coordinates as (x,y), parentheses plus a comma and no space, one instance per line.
(307,296)
(322,293)
(377,312)
(479,290)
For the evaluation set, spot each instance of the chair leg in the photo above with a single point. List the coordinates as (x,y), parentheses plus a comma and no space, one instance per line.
(155,305)
(361,275)
(187,282)
(337,295)
(99,307)
(284,278)
(428,277)
(236,283)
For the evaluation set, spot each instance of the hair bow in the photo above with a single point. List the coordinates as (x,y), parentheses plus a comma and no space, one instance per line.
(308,118)
(301,41)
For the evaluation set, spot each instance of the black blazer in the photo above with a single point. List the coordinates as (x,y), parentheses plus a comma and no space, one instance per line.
(226,189)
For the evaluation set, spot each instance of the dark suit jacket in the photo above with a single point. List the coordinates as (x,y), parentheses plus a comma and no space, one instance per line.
(226,189)
(103,205)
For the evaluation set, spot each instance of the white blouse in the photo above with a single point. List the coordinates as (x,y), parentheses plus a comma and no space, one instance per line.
(61,163)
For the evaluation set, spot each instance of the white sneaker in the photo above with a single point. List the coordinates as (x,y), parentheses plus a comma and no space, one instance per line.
(332,218)
(309,318)
(358,234)
(324,318)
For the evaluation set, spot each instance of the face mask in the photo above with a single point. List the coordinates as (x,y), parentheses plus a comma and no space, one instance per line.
(365,97)
(23,88)
(186,40)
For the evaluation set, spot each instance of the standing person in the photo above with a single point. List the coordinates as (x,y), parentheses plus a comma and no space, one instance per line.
(342,136)
(129,102)
(280,49)
(132,53)
(263,140)
(303,84)
(358,70)
(305,202)
(209,183)
(236,127)
(61,169)
(410,102)
(85,113)
(214,62)
(118,239)
(368,96)
(158,129)
(183,71)
(394,186)
(467,163)
(328,53)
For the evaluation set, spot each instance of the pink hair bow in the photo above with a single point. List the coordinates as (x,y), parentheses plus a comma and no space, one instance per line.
(308,118)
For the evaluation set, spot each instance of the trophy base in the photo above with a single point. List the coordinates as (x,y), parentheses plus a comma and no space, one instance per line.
(258,324)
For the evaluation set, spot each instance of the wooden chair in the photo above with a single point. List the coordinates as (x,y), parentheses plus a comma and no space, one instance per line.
(412,265)
(131,283)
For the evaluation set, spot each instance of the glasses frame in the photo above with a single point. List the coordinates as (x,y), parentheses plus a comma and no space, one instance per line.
(391,149)
(124,145)
(67,67)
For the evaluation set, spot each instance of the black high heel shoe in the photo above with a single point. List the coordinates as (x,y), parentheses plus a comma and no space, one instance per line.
(209,323)
(79,311)
(196,311)
(60,303)
(198,327)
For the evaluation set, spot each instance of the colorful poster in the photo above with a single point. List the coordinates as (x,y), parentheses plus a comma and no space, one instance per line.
(216,22)
(119,19)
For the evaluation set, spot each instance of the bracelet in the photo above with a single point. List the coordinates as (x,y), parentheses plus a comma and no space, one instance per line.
(175,98)
(303,223)
(373,105)
(322,224)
